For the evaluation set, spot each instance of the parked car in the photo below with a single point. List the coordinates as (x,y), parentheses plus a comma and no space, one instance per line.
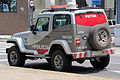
(112,24)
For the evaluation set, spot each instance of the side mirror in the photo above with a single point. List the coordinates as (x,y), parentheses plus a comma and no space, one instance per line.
(32,28)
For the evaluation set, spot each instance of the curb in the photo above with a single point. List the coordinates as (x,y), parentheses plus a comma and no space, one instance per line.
(117,50)
(3,38)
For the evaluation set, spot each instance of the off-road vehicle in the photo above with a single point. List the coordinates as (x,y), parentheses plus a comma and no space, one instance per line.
(62,36)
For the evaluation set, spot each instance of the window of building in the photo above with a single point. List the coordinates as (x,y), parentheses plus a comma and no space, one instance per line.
(8,5)
(60,2)
(102,4)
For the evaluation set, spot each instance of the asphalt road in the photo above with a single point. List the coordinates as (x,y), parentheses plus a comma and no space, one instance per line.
(112,71)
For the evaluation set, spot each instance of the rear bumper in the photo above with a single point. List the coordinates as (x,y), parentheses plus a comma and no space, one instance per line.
(91,54)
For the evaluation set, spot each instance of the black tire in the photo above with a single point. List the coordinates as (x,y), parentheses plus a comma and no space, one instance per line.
(100,37)
(65,61)
(101,63)
(48,60)
(15,57)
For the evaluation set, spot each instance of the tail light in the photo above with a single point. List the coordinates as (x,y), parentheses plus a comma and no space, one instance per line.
(77,41)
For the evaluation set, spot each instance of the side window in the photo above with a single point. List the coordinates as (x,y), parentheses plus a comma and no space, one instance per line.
(42,24)
(61,20)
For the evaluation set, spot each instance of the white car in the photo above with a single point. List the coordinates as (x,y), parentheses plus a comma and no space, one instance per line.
(112,24)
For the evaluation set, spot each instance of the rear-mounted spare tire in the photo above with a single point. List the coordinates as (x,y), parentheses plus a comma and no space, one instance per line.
(100,37)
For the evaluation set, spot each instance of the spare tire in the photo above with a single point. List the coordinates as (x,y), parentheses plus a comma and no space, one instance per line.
(100,37)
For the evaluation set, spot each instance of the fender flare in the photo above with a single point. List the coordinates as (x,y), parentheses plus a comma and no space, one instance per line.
(20,44)
(64,44)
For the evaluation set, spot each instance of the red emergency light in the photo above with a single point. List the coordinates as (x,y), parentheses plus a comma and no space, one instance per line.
(60,6)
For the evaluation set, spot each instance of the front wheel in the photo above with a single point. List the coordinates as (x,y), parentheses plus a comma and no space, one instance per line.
(15,57)
(60,61)
(101,63)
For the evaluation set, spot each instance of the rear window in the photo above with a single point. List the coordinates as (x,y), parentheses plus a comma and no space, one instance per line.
(61,20)
(90,19)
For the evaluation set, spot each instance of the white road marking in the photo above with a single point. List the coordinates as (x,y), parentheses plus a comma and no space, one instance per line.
(3,60)
(114,63)
(2,54)
(115,71)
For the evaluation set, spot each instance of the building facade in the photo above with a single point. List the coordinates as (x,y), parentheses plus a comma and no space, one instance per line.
(13,16)
(108,5)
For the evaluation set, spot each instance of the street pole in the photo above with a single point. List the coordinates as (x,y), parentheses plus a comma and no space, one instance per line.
(117,29)
(31,11)
(118,12)
(31,7)
(29,14)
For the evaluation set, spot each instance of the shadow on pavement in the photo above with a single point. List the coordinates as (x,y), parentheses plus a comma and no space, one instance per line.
(75,69)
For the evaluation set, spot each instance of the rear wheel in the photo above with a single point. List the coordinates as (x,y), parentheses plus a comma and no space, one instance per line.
(100,37)
(60,62)
(101,63)
(15,57)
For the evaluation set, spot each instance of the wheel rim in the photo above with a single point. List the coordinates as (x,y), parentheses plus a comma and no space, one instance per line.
(13,57)
(102,37)
(58,61)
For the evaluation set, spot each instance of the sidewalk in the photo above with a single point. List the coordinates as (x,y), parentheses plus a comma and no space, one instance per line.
(4,37)
(19,73)
(117,50)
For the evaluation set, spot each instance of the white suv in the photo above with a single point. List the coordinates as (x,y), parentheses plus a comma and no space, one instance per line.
(62,36)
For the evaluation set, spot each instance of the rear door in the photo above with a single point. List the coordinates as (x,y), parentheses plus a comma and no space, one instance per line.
(90,18)
(85,20)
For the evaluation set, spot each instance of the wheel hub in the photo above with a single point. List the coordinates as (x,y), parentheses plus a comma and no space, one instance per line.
(58,61)
(102,37)
(13,57)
